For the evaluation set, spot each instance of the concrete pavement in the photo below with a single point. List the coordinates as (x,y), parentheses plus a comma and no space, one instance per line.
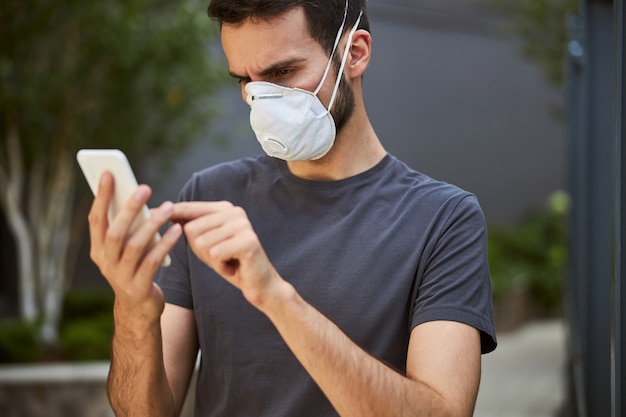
(523,377)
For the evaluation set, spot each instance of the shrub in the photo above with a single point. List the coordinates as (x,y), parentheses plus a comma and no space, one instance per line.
(18,342)
(87,325)
(532,254)
(85,334)
(87,339)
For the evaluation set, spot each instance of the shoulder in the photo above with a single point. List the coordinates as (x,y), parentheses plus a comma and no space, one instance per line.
(428,194)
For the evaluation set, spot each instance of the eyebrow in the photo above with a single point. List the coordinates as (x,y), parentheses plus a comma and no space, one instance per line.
(270,69)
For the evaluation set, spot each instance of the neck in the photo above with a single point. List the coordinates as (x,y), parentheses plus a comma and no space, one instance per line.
(356,150)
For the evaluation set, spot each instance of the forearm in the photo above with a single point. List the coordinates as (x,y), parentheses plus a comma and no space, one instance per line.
(356,383)
(137,384)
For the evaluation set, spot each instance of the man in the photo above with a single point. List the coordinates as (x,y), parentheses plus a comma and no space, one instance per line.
(325,279)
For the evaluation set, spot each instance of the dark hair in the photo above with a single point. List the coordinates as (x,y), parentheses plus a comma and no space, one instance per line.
(323,17)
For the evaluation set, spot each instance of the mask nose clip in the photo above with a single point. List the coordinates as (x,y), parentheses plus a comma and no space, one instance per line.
(254,97)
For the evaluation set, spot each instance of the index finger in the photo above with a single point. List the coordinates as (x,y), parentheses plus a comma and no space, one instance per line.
(190,210)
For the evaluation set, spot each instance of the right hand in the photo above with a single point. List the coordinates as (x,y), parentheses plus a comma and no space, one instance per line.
(124,259)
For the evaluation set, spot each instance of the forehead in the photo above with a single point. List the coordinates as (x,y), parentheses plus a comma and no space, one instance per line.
(254,44)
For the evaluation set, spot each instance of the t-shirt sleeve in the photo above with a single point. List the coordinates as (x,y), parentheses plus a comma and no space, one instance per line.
(174,280)
(455,283)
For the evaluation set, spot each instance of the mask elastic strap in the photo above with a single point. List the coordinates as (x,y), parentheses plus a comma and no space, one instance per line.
(343,61)
(337,38)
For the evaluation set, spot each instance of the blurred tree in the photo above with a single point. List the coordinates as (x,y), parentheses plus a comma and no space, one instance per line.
(542,25)
(130,74)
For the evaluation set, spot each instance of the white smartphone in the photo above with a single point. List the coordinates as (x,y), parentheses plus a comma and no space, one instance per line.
(94,162)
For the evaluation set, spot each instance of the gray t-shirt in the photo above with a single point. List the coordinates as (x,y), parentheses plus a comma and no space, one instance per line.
(377,253)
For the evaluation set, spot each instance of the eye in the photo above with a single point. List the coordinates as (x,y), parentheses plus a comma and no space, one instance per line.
(282,73)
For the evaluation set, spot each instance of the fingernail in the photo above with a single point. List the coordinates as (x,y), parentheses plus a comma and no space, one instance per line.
(167,208)
(104,179)
(140,193)
(174,231)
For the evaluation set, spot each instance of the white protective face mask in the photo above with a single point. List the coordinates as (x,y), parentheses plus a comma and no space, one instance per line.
(291,123)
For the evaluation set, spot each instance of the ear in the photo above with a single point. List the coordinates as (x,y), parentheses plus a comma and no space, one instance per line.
(360,54)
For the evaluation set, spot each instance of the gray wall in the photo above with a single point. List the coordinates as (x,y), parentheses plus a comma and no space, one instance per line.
(448,94)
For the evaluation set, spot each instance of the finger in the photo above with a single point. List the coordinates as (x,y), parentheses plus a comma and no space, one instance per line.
(97,218)
(190,210)
(233,236)
(140,241)
(238,246)
(206,231)
(154,258)
(118,230)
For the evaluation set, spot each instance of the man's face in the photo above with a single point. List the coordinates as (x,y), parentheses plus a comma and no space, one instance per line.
(282,51)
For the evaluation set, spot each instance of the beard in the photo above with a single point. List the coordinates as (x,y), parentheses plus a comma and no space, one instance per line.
(343,108)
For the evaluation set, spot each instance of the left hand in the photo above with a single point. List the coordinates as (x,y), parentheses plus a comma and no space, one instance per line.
(222,236)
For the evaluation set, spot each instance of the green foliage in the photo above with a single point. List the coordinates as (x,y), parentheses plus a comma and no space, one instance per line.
(129,74)
(85,332)
(532,255)
(87,325)
(18,342)
(86,303)
(542,25)
(88,338)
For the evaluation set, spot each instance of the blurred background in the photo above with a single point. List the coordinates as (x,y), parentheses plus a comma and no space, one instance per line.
(499,97)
